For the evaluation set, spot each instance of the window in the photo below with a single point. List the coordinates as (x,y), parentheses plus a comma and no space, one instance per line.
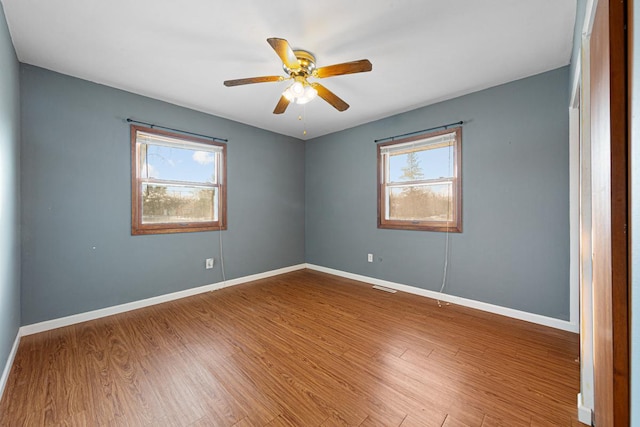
(419,183)
(177,183)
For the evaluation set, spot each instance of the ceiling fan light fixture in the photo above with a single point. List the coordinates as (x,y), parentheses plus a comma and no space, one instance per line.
(309,94)
(297,89)
(288,93)
(300,92)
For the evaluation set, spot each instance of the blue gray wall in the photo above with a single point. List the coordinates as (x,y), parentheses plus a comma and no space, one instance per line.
(514,251)
(77,250)
(9,193)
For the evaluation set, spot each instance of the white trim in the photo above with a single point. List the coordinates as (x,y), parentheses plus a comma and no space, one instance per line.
(584,413)
(589,17)
(9,364)
(504,311)
(586,236)
(574,216)
(575,83)
(108,311)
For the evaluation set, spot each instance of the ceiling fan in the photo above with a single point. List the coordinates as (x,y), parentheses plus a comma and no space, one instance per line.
(300,65)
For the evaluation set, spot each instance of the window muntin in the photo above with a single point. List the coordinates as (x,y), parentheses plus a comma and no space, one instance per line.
(178,183)
(419,183)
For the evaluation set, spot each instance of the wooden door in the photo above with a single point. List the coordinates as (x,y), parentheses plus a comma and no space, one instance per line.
(609,133)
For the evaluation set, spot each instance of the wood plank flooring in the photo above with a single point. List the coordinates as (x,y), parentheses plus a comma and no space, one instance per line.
(300,349)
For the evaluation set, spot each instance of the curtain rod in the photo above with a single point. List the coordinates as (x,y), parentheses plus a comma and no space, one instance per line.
(420,131)
(177,130)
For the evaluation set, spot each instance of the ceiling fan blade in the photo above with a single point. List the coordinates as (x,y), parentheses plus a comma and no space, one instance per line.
(250,80)
(282,105)
(284,51)
(360,66)
(330,97)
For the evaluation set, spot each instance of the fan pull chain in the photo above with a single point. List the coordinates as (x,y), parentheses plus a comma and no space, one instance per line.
(303,118)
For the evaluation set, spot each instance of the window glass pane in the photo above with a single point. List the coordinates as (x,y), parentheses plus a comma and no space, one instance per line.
(178,204)
(177,164)
(421,203)
(418,165)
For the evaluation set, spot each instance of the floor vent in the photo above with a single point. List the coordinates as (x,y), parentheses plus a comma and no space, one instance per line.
(382,288)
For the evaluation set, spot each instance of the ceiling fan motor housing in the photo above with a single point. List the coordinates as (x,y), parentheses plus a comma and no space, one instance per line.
(307,64)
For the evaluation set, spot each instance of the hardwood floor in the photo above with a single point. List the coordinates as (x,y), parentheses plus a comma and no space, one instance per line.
(300,349)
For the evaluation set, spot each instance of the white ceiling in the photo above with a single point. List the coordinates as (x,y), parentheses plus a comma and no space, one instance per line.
(422,51)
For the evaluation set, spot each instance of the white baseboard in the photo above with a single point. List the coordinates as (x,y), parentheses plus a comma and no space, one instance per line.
(108,311)
(504,311)
(9,364)
(584,413)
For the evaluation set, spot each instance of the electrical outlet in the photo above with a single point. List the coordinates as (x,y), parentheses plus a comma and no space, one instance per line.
(370,257)
(208,264)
